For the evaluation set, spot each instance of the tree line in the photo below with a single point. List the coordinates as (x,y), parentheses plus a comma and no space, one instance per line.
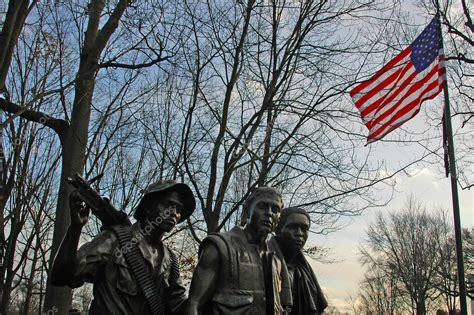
(410,258)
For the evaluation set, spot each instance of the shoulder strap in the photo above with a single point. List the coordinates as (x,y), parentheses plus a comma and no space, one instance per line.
(135,261)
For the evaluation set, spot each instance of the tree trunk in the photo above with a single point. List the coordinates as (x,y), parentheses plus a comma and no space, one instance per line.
(420,308)
(14,20)
(58,299)
(74,137)
(8,272)
(30,283)
(11,27)
(73,160)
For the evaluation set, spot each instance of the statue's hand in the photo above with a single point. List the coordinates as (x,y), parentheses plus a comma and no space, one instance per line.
(79,210)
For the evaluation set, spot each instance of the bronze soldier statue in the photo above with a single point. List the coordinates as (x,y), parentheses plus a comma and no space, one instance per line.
(291,236)
(133,272)
(235,273)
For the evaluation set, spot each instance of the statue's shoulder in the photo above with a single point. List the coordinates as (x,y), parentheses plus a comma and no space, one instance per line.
(108,239)
(110,232)
(223,241)
(218,240)
(236,232)
(102,245)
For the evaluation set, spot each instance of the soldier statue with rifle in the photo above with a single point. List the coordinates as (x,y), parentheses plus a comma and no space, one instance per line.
(133,272)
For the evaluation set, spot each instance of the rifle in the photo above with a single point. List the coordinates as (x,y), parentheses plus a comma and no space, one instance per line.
(100,206)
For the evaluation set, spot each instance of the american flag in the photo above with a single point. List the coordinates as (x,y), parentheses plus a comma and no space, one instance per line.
(394,94)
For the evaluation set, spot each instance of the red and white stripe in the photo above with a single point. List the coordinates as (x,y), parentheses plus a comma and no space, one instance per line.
(395,93)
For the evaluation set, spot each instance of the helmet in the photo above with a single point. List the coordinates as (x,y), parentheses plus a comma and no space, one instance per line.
(155,190)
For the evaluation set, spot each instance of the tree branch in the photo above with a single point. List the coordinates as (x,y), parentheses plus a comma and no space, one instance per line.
(111,24)
(60,126)
(467,15)
(111,64)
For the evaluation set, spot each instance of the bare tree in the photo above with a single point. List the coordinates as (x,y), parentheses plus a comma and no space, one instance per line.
(447,280)
(379,292)
(101,47)
(31,160)
(400,246)
(469,261)
(31,164)
(266,107)
(398,267)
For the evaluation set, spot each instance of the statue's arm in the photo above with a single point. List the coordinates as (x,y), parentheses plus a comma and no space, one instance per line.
(204,281)
(64,265)
(65,262)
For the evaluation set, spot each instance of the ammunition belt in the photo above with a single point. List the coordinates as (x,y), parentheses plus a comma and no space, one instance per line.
(135,261)
(174,272)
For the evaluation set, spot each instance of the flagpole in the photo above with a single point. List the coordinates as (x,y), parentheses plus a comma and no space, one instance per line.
(455,195)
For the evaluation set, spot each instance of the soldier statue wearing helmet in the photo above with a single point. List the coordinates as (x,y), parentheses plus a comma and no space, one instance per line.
(113,265)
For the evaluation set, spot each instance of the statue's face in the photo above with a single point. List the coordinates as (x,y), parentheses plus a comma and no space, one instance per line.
(294,231)
(265,213)
(166,212)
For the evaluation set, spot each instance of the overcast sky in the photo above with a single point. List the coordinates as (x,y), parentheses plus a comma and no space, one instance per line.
(341,279)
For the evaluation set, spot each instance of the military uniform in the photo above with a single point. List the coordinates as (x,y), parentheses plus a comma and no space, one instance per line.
(243,275)
(308,298)
(101,261)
